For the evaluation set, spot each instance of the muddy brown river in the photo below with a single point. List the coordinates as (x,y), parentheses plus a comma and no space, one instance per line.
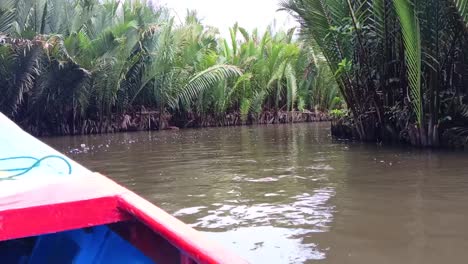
(292,194)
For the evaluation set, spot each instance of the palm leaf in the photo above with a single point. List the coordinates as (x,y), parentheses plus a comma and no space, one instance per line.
(7,14)
(257,102)
(291,85)
(412,41)
(206,79)
(462,7)
(244,33)
(245,108)
(316,18)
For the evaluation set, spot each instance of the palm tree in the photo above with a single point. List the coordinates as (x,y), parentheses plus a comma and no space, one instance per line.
(81,66)
(398,63)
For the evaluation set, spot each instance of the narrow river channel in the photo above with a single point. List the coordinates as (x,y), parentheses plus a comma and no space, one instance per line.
(292,194)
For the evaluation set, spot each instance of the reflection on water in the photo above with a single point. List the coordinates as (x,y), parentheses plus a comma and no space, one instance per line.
(304,209)
(266,244)
(290,194)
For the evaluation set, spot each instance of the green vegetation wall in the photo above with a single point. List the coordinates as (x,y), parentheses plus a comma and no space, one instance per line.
(89,66)
(401,65)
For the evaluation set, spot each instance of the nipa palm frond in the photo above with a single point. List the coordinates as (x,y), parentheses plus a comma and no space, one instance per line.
(412,41)
(206,79)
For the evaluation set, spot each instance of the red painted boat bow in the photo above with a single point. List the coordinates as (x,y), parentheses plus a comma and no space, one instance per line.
(91,200)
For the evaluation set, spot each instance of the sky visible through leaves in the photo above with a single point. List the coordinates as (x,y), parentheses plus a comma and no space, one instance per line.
(224,13)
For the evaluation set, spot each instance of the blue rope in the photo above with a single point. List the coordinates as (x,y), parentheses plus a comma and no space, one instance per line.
(36,163)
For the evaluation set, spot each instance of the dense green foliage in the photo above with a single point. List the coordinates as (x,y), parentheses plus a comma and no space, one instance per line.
(401,65)
(83,66)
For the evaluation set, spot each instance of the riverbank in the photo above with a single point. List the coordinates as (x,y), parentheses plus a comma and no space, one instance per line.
(146,120)
(445,136)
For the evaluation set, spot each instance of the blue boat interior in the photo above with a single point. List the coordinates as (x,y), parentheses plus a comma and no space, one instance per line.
(99,244)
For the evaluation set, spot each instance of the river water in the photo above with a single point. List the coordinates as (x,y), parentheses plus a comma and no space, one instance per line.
(292,194)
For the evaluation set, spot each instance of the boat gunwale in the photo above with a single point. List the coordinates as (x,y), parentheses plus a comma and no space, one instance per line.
(75,206)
